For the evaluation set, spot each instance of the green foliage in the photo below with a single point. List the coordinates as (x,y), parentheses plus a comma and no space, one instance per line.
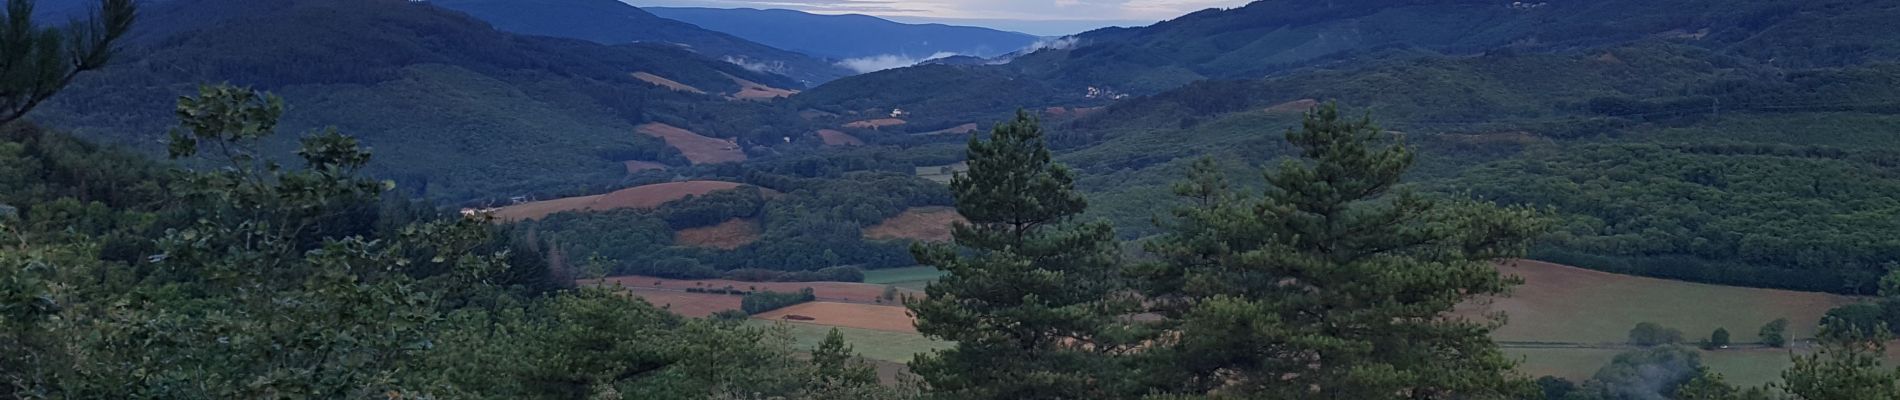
(1650,374)
(1848,366)
(37,62)
(1717,340)
(1332,282)
(1775,333)
(456,110)
(838,365)
(762,302)
(1760,215)
(1651,334)
(282,282)
(1030,299)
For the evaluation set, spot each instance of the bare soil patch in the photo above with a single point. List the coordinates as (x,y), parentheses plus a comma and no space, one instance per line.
(929,224)
(852,315)
(959,129)
(698,149)
(836,138)
(729,235)
(749,90)
(826,291)
(661,81)
(876,123)
(648,196)
(696,305)
(634,167)
(1293,107)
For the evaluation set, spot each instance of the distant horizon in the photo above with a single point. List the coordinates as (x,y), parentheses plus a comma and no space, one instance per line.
(1030,17)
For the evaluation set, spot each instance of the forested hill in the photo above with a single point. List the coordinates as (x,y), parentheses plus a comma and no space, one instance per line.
(454,108)
(1674,139)
(851,35)
(615,22)
(1277,37)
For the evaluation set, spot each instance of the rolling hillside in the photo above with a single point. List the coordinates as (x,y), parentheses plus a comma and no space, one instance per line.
(851,35)
(454,109)
(615,22)
(1281,37)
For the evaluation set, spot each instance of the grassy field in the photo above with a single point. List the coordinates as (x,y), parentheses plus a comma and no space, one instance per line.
(1556,304)
(908,277)
(1565,304)
(871,344)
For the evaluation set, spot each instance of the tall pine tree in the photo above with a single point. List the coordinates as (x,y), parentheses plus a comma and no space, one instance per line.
(1031,298)
(1334,283)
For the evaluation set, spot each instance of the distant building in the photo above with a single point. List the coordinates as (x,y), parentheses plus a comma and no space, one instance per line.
(8,212)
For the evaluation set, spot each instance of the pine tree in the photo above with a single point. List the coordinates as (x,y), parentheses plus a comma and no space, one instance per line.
(1848,366)
(1335,283)
(838,365)
(1030,298)
(36,62)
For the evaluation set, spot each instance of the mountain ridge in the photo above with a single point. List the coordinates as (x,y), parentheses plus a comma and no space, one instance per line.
(849,35)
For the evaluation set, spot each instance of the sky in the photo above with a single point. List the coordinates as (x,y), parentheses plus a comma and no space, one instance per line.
(1036,17)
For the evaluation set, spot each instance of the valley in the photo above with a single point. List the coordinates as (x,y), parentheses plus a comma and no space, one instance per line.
(596,199)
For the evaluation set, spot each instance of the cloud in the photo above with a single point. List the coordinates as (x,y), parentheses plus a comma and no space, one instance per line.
(1049,10)
(1061,43)
(888,61)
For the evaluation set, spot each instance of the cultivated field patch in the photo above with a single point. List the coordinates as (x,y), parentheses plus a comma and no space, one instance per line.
(698,149)
(871,344)
(849,292)
(697,305)
(1293,107)
(660,81)
(732,234)
(1567,304)
(888,318)
(648,196)
(749,90)
(835,138)
(930,224)
(876,123)
(942,173)
(635,167)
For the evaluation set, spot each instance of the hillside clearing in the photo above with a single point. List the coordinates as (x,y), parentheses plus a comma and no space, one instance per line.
(835,138)
(876,123)
(887,318)
(847,292)
(696,305)
(749,90)
(661,81)
(698,149)
(1293,107)
(649,196)
(732,234)
(635,167)
(942,173)
(1567,304)
(871,344)
(959,129)
(930,224)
